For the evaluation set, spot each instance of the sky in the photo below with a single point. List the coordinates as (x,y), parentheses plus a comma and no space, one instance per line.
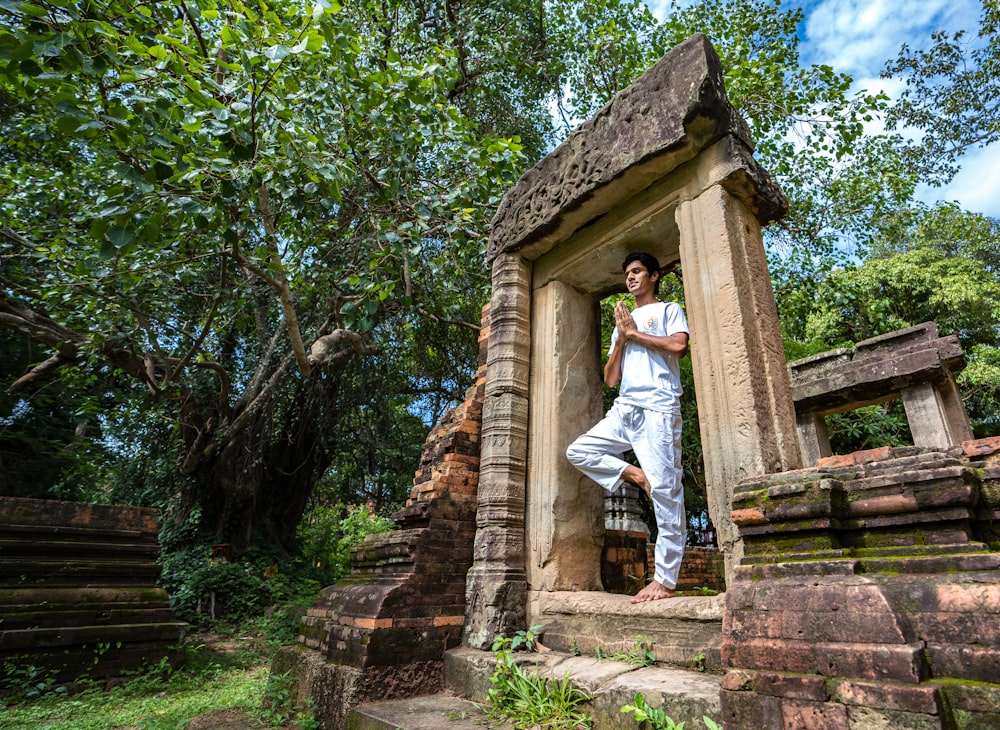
(858,37)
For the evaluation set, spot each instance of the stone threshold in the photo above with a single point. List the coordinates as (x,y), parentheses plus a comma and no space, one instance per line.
(684,631)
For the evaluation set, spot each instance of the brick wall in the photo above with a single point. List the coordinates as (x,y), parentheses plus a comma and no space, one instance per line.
(403,604)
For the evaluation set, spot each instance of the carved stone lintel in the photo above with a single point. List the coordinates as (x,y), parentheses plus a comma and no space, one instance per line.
(674,111)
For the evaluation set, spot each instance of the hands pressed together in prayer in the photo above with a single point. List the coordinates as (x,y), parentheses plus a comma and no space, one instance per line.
(623,320)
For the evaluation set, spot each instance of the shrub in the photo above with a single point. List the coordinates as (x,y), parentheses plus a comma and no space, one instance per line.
(327,535)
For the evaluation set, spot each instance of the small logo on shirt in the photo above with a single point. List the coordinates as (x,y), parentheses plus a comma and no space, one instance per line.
(650,324)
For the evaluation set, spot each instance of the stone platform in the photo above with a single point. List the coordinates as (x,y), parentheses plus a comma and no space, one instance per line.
(78,593)
(869,594)
(687,628)
(685,695)
(685,631)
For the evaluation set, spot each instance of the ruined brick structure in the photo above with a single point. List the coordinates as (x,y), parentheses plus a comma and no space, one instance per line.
(382,632)
(78,590)
(914,365)
(869,592)
(703,567)
(868,595)
(862,591)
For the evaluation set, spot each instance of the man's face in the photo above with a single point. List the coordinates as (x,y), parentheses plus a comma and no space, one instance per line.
(638,279)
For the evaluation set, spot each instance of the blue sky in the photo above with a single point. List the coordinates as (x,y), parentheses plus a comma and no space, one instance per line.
(858,37)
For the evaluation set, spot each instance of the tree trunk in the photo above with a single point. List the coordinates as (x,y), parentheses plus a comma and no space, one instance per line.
(258,485)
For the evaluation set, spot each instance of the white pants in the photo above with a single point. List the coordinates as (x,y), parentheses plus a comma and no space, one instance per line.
(656,440)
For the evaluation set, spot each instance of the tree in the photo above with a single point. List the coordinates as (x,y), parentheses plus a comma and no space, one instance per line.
(937,264)
(227,207)
(50,443)
(952,95)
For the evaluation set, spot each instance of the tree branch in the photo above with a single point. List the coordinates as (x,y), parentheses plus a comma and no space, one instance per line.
(338,346)
(455,322)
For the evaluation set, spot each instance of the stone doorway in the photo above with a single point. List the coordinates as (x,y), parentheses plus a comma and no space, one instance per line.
(666,167)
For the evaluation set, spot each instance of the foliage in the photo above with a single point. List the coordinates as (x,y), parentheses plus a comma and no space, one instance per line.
(217,209)
(641,654)
(952,95)
(980,384)
(155,701)
(657,719)
(526,699)
(27,680)
(603,46)
(280,707)
(328,534)
(203,590)
(868,428)
(922,285)
(48,443)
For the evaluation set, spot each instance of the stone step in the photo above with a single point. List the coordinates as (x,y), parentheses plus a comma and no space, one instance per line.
(17,617)
(685,631)
(63,533)
(79,546)
(15,640)
(430,712)
(22,598)
(684,695)
(61,571)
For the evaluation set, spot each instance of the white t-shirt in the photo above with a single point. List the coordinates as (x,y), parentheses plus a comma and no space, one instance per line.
(651,378)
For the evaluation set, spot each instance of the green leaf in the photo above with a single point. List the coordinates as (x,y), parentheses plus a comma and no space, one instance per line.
(120,236)
(277,52)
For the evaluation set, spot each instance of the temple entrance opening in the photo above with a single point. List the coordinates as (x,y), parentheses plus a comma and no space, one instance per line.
(567,512)
(667,167)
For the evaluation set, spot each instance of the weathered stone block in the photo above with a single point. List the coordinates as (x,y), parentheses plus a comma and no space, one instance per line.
(968,662)
(813,715)
(74,577)
(901,663)
(791,686)
(867,718)
(751,710)
(924,699)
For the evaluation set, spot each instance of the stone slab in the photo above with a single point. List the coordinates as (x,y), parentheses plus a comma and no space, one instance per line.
(685,695)
(430,712)
(684,631)
(671,113)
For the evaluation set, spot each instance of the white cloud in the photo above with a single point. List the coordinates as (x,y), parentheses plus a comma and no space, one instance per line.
(858,37)
(977,185)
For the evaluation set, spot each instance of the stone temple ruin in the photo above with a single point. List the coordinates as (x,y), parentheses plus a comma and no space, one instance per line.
(862,590)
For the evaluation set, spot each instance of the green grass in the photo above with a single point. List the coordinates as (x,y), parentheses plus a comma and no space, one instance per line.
(207,681)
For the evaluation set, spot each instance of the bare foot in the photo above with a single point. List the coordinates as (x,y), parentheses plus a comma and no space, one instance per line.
(540,648)
(653,592)
(636,475)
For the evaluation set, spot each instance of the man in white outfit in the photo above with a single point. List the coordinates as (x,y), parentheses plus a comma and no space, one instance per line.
(645,348)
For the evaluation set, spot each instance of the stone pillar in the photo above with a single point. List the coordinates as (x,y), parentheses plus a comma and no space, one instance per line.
(565,518)
(814,438)
(496,589)
(935,413)
(742,385)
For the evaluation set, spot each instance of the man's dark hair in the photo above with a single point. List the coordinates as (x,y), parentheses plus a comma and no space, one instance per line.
(648,262)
